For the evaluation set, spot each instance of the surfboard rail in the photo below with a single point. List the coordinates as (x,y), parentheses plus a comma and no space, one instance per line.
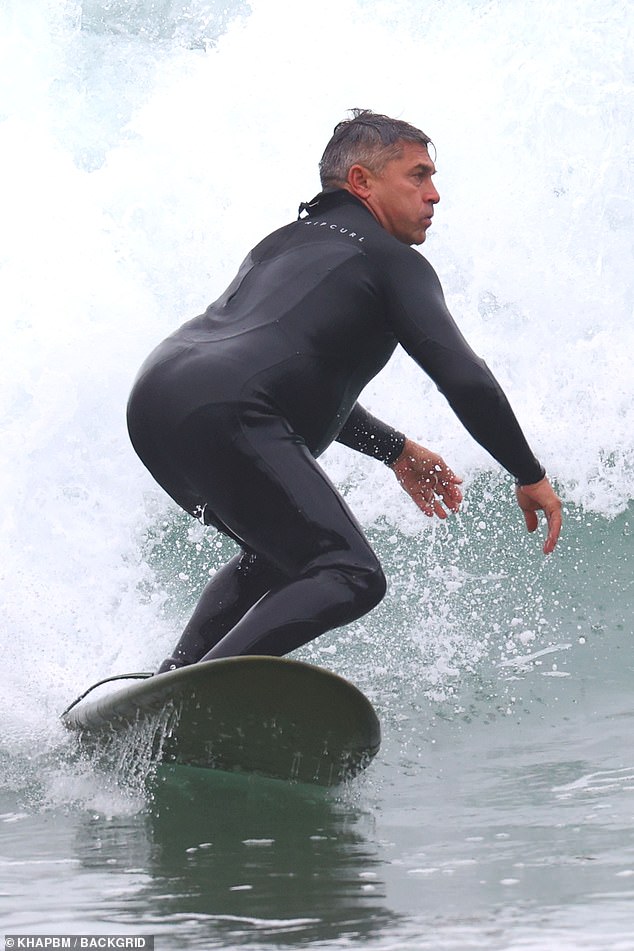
(281,718)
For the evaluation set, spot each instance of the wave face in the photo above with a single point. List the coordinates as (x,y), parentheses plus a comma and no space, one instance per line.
(146,145)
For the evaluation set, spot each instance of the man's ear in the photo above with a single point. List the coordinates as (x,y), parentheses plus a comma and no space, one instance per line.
(359,181)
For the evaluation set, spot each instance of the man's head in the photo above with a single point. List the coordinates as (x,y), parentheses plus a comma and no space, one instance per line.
(386,164)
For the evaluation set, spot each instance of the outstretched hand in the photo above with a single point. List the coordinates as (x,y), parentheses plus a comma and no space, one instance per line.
(428,480)
(540,496)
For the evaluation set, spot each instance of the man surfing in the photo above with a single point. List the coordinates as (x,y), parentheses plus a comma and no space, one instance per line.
(231,412)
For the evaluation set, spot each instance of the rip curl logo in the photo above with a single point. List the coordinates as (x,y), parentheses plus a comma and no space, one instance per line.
(332,227)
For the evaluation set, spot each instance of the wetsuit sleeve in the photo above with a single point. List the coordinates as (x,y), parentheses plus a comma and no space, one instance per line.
(369,435)
(427,331)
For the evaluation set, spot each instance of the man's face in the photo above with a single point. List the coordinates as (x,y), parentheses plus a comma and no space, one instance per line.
(402,196)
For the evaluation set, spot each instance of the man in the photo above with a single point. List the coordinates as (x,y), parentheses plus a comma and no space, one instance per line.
(231,411)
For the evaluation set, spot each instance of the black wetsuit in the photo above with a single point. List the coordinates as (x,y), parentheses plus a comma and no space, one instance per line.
(230,412)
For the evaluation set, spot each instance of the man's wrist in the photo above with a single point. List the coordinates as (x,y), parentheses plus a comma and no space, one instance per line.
(521,483)
(397,449)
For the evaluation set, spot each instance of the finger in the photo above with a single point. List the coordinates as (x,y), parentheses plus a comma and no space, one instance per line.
(531,521)
(430,506)
(452,477)
(554,528)
(446,497)
(423,503)
(446,476)
(453,497)
(439,510)
(451,501)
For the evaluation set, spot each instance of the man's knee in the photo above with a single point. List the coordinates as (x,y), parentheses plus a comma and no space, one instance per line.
(356,584)
(370,587)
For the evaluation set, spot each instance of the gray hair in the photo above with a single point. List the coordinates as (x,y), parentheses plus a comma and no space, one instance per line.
(367,139)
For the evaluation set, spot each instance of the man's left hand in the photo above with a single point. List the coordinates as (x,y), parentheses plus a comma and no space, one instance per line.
(540,496)
(428,480)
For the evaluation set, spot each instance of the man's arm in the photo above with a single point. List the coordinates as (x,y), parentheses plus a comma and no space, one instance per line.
(371,436)
(428,332)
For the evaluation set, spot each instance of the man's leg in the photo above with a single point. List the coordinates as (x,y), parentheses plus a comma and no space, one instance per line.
(264,486)
(313,568)
(225,600)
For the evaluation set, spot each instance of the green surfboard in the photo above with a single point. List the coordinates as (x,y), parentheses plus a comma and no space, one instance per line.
(274,717)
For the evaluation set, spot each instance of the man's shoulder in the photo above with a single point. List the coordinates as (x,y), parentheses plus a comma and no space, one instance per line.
(337,220)
(399,261)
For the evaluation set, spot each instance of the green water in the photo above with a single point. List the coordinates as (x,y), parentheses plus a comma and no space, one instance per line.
(497,814)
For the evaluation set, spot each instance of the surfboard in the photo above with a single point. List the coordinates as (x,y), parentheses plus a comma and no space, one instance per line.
(280,718)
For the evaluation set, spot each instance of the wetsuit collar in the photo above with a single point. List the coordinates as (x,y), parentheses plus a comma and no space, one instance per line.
(326,200)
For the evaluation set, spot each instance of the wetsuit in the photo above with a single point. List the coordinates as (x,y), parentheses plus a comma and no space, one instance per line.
(231,411)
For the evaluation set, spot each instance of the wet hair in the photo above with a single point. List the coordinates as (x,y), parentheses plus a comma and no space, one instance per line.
(367,139)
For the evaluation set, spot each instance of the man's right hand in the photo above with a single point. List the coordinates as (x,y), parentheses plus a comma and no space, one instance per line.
(540,496)
(428,480)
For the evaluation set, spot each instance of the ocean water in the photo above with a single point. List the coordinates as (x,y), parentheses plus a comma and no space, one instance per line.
(145,145)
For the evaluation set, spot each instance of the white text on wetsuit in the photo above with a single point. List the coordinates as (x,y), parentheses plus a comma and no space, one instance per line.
(333,227)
